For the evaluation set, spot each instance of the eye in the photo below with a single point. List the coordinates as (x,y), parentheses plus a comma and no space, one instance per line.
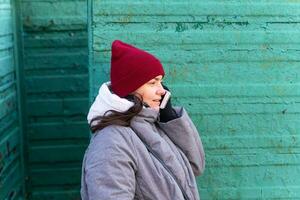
(152,82)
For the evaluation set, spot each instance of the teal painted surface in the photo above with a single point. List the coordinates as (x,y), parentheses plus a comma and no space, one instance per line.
(11,163)
(56,84)
(235,67)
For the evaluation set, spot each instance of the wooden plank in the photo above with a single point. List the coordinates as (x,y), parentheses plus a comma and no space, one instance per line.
(11,183)
(183,8)
(6,27)
(56,193)
(53,177)
(56,153)
(59,130)
(9,146)
(7,66)
(74,60)
(8,105)
(7,122)
(73,83)
(56,40)
(36,18)
(65,106)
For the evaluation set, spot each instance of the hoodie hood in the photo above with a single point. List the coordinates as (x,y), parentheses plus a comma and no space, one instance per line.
(105,101)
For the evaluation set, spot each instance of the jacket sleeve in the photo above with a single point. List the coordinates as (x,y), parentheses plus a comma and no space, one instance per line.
(109,170)
(184,134)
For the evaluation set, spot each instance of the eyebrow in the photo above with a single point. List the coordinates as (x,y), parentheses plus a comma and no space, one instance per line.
(156,79)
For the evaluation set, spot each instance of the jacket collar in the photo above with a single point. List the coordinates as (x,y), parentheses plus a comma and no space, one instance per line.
(145,127)
(147,114)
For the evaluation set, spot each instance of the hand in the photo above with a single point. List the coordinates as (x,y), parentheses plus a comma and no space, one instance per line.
(168,113)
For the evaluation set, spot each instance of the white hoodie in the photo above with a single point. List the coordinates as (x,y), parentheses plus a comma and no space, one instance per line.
(105,101)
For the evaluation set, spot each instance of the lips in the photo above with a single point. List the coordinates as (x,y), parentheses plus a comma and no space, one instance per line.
(157,102)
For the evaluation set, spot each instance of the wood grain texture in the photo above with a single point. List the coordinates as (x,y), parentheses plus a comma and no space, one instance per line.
(234,65)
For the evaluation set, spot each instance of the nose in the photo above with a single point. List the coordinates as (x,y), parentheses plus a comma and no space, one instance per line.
(160,90)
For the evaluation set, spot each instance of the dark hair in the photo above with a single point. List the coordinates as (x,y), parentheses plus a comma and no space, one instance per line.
(112,117)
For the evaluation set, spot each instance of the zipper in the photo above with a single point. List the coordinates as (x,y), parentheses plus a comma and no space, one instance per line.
(167,168)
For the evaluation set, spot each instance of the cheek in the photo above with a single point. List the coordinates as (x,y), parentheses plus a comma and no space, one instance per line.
(148,97)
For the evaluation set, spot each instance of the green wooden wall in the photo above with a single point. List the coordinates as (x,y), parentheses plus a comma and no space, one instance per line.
(235,66)
(56,85)
(11,152)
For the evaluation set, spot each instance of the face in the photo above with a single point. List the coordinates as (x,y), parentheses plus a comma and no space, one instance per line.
(152,92)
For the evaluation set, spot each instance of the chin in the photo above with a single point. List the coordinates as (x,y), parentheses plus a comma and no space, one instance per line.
(155,107)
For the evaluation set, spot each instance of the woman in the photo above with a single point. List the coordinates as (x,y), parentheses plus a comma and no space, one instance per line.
(137,150)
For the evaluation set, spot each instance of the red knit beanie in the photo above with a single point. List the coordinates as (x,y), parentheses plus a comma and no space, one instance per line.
(131,68)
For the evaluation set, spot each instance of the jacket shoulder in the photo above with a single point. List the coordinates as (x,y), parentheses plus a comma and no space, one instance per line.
(110,140)
(112,135)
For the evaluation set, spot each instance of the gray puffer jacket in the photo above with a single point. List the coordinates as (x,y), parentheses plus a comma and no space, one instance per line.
(118,166)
